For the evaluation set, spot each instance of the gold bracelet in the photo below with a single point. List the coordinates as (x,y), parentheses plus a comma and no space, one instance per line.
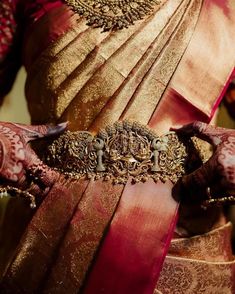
(15,192)
(217,201)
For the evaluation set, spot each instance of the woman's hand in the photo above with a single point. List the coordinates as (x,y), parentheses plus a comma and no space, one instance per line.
(213,183)
(19,165)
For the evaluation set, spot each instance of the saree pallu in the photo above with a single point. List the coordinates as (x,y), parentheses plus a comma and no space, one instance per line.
(93,236)
(201,264)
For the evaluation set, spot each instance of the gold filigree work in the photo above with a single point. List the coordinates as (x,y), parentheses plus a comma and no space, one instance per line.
(113,14)
(123,150)
(73,152)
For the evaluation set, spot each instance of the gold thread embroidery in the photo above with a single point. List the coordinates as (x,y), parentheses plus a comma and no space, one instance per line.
(183,275)
(125,149)
(113,14)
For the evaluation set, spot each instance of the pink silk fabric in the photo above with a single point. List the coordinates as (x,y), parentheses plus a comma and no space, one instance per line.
(132,254)
(188,96)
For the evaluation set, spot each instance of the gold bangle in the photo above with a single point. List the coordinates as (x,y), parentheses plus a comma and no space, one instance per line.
(15,192)
(217,201)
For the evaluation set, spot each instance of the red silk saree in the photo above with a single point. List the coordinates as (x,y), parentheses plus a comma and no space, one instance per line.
(93,236)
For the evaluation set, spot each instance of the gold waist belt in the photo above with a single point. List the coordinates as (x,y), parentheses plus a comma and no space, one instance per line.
(123,150)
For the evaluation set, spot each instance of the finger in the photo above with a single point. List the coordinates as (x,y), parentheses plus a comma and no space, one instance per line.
(192,188)
(35,180)
(196,128)
(39,173)
(209,133)
(40,131)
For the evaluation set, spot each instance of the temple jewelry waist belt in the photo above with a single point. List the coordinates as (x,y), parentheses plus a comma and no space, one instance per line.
(125,149)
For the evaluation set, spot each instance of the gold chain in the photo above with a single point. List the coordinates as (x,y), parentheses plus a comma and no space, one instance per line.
(113,14)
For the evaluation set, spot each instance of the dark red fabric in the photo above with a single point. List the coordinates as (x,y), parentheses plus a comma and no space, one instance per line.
(15,18)
(9,57)
(33,10)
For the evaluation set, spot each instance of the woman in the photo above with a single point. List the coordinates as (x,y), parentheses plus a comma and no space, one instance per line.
(120,61)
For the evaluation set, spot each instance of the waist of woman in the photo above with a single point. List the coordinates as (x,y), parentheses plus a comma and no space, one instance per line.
(123,150)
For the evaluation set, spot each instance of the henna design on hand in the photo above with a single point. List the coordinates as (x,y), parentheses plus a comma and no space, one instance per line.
(218,173)
(19,164)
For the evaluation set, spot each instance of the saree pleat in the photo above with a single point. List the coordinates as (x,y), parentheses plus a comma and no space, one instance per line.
(114,108)
(82,238)
(114,47)
(137,237)
(92,97)
(60,15)
(39,244)
(200,264)
(151,89)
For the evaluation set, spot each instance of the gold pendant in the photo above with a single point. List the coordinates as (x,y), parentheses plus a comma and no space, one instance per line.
(113,14)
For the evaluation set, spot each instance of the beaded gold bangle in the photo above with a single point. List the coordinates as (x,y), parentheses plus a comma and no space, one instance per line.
(15,192)
(217,201)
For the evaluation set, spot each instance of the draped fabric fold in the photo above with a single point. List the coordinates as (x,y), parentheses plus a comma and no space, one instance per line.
(198,264)
(39,244)
(210,41)
(89,59)
(85,231)
(138,237)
